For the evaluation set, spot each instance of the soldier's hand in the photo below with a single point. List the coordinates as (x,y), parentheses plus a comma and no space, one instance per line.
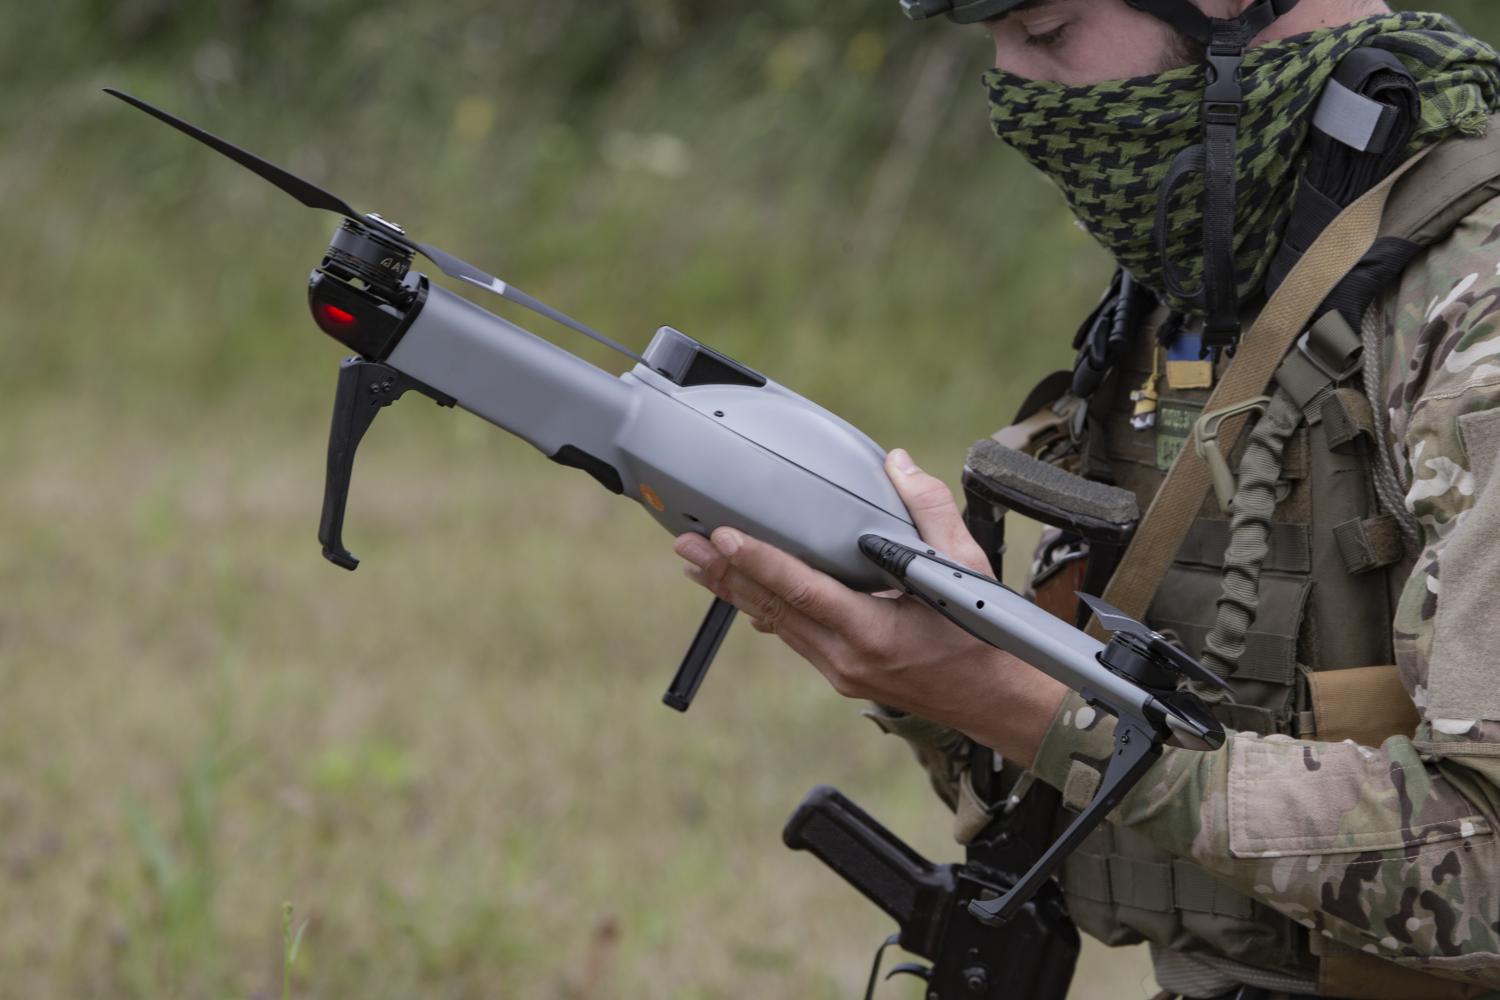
(893,650)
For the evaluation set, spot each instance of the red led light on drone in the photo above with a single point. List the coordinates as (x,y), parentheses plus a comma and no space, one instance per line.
(336,316)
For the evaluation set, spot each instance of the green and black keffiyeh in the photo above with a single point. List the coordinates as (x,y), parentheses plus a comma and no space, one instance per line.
(1109,146)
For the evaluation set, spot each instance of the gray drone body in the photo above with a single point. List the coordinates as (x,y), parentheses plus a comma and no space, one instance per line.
(757,457)
(700,442)
(760,458)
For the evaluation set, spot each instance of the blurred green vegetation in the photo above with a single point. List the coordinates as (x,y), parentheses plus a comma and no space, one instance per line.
(812,190)
(452,762)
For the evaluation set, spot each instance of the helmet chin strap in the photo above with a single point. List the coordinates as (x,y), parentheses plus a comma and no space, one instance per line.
(1224,42)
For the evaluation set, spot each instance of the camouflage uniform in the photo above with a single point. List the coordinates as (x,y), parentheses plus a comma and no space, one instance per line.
(1391,850)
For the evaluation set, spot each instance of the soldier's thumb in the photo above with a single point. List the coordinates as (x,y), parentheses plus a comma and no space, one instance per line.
(934,511)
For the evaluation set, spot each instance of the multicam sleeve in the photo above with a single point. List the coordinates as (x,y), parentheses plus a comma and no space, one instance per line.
(1391,850)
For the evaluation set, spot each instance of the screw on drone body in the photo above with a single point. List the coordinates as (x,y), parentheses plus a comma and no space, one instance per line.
(385,222)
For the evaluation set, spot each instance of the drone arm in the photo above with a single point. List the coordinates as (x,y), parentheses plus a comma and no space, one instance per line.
(545,395)
(999,616)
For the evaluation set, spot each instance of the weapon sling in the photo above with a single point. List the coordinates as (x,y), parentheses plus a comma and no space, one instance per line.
(1286,314)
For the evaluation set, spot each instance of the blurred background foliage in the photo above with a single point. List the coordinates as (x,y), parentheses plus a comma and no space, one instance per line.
(453,762)
(810,188)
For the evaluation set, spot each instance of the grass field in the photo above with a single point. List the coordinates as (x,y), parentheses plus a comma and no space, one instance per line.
(453,762)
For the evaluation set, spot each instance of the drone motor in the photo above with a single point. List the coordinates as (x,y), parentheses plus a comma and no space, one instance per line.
(360,253)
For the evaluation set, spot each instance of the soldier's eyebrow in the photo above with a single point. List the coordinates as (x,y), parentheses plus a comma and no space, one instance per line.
(1019,8)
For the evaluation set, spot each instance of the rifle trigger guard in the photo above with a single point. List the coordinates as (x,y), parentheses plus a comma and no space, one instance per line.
(875,966)
(916,969)
(364,389)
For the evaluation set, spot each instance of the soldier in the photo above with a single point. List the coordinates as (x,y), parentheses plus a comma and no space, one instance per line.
(1361,536)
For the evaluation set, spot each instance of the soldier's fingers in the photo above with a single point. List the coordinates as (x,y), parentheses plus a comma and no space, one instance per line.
(797,587)
(768,612)
(934,511)
(836,655)
(815,615)
(821,650)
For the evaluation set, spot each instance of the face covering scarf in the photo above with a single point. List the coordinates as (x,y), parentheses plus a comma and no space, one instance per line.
(1109,146)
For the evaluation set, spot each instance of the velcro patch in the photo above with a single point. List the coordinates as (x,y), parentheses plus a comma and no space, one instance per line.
(1175,420)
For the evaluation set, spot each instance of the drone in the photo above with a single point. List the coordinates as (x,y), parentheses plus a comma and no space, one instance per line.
(701,441)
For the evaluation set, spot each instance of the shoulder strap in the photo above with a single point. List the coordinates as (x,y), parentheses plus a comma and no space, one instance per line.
(1459,176)
(1284,317)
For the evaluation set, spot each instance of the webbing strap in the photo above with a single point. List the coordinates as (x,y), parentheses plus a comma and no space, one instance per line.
(1269,657)
(1369,543)
(1223,105)
(1224,41)
(1156,886)
(1461,176)
(1283,319)
(1186,18)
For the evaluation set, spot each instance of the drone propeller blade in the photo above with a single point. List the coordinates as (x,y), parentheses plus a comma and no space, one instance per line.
(464,271)
(1112,619)
(1115,620)
(1187,666)
(315,197)
(309,194)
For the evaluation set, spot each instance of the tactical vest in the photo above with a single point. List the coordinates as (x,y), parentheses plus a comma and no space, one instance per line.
(1322,607)
(1328,586)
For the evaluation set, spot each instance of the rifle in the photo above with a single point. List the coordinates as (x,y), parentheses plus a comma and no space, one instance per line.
(1031,957)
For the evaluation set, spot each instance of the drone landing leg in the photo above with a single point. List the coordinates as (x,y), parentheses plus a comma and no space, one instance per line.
(365,387)
(1136,749)
(700,655)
